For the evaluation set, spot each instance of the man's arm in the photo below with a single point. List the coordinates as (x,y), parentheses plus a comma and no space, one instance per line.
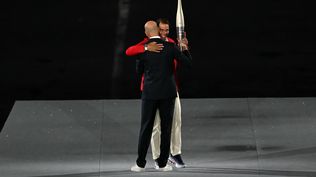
(183,57)
(142,47)
(136,49)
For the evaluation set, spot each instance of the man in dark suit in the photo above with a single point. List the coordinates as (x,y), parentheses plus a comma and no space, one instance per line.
(159,93)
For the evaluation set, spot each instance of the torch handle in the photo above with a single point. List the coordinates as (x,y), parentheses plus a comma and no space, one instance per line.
(180,35)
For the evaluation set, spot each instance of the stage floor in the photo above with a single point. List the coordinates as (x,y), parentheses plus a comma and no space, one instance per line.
(227,137)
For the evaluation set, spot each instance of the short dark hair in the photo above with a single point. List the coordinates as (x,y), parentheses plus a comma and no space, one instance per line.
(162,20)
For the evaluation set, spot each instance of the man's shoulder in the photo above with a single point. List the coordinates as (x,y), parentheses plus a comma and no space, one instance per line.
(170,40)
(146,39)
(168,43)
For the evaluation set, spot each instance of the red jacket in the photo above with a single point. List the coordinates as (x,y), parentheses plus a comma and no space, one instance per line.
(139,48)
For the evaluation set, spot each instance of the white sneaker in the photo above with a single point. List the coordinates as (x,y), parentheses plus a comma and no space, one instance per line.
(136,168)
(166,168)
(156,164)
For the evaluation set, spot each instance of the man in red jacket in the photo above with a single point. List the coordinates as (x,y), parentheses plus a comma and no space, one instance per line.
(175,144)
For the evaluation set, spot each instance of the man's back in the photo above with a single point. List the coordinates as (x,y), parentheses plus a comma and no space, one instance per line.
(159,82)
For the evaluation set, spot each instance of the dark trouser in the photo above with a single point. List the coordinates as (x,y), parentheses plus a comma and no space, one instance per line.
(149,108)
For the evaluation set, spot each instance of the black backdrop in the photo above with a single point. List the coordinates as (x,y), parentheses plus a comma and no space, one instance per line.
(68,49)
(57,50)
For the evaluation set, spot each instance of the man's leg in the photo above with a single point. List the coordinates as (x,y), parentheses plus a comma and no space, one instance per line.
(155,137)
(149,108)
(175,144)
(166,108)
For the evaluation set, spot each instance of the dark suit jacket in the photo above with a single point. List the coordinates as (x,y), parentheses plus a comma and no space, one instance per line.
(159,80)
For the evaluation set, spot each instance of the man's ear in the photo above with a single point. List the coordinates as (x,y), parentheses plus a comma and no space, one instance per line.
(146,32)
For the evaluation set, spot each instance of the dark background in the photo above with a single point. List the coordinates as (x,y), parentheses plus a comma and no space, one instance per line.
(58,50)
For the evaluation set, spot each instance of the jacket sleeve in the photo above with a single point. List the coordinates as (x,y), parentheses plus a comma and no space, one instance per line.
(136,49)
(184,67)
(184,58)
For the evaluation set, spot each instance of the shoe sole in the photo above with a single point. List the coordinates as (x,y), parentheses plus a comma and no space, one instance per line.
(163,169)
(138,170)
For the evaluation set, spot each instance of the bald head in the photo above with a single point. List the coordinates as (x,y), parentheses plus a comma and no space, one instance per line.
(151,28)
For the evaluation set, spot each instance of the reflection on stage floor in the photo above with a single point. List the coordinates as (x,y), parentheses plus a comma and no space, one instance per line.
(222,137)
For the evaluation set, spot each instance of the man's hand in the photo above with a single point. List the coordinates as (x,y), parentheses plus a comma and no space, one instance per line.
(154,47)
(184,46)
(184,43)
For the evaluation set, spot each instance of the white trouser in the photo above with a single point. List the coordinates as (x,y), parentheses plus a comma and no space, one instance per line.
(175,142)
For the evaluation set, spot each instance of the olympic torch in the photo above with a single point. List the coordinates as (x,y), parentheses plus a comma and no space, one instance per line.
(180,23)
